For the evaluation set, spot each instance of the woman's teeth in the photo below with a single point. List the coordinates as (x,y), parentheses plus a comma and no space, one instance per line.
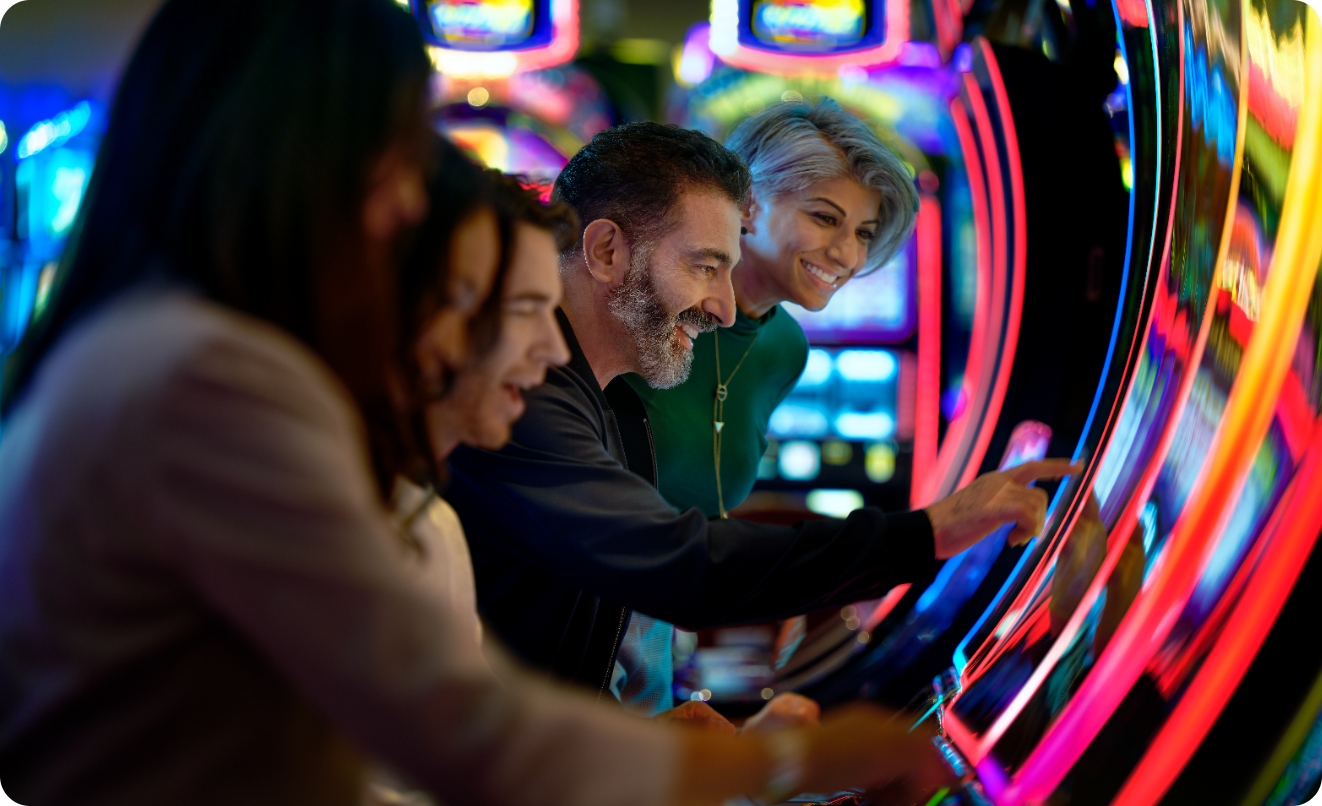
(829,279)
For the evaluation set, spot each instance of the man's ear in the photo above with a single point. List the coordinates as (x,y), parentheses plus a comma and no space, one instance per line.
(606,252)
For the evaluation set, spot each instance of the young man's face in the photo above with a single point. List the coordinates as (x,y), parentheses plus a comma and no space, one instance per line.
(680,286)
(487,396)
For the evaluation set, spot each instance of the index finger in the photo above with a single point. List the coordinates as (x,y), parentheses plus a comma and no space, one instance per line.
(1043,469)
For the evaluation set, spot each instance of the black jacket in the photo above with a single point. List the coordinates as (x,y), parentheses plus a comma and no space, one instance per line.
(568,534)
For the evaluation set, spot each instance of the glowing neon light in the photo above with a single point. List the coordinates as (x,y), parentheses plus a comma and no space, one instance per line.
(927,404)
(482,23)
(1010,334)
(1129,249)
(726,42)
(928,492)
(1262,374)
(807,24)
(696,61)
(55,132)
(503,59)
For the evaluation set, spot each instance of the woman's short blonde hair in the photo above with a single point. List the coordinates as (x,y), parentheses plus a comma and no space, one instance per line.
(794,144)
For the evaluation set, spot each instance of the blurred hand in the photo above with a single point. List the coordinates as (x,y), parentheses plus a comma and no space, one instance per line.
(695,714)
(861,745)
(992,500)
(858,746)
(788,710)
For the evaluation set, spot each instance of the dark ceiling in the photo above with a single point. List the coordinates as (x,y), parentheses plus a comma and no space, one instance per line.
(80,44)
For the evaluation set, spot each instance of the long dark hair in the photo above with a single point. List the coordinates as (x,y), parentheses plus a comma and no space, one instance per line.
(235,161)
(458,188)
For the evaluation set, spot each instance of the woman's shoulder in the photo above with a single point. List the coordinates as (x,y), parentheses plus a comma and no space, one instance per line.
(156,358)
(156,338)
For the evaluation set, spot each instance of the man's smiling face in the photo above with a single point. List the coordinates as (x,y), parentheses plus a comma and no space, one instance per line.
(679,287)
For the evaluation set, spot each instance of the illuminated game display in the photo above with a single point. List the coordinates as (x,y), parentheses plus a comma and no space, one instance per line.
(807,35)
(486,24)
(497,38)
(54,160)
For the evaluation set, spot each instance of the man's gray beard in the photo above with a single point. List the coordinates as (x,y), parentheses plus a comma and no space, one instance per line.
(663,362)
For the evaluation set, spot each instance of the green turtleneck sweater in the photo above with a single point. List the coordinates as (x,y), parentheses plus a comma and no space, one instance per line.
(682,417)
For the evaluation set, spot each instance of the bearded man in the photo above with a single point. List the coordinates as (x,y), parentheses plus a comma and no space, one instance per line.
(567,530)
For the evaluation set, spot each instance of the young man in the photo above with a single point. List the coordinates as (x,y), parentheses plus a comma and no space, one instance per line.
(567,530)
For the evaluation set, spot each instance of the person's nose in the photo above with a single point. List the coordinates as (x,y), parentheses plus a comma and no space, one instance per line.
(550,348)
(847,253)
(720,304)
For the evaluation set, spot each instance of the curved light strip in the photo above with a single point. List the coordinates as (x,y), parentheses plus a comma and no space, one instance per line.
(926,490)
(1018,268)
(1296,257)
(1129,239)
(988,352)
(927,411)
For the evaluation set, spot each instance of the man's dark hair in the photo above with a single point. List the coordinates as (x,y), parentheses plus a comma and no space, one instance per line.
(634,175)
(236,156)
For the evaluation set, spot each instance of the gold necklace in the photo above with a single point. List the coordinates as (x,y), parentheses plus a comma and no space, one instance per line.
(718,412)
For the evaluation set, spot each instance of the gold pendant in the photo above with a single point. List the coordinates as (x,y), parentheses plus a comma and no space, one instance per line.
(719,426)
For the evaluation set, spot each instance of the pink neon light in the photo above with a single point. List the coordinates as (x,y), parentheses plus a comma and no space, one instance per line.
(885,606)
(927,414)
(726,45)
(949,25)
(1133,12)
(1279,118)
(1010,338)
(978,195)
(982,350)
(1292,532)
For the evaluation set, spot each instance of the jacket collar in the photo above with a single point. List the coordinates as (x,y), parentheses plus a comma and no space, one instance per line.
(578,362)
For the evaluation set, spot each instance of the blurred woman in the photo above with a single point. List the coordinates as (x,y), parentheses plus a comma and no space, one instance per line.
(203,597)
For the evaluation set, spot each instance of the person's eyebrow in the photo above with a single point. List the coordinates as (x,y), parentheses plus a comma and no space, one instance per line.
(529,296)
(841,210)
(718,255)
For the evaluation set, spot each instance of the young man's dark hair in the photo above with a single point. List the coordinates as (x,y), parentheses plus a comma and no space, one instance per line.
(634,174)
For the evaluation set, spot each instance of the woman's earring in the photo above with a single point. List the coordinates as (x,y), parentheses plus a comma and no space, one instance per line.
(743,230)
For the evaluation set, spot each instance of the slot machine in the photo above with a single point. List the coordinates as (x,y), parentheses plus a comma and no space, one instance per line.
(1119,663)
